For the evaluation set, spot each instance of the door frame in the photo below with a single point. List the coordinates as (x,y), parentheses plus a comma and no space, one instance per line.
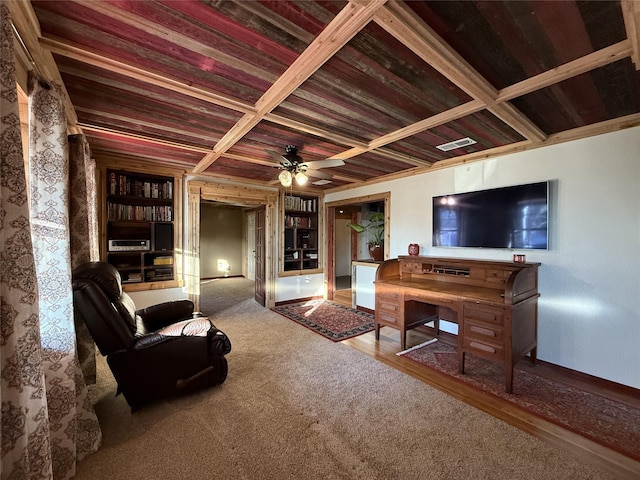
(197,189)
(330,215)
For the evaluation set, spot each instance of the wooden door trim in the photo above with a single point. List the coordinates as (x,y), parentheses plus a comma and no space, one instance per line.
(248,196)
(330,232)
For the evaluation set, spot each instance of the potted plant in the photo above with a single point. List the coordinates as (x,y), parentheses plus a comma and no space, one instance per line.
(375,227)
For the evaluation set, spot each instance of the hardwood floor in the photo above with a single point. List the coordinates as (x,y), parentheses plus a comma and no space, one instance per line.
(385,351)
(342,297)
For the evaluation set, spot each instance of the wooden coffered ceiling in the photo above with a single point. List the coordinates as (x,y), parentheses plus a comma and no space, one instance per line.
(208,86)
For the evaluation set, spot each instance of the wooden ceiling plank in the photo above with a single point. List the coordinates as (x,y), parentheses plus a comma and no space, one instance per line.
(75,52)
(313,130)
(87,127)
(455,113)
(401,22)
(516,120)
(164,33)
(155,126)
(631,15)
(349,21)
(589,62)
(26,24)
(401,157)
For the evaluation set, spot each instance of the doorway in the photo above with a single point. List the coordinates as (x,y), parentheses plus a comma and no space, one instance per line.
(263,203)
(346,246)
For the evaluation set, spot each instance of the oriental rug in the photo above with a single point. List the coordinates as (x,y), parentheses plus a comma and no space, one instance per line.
(614,424)
(330,320)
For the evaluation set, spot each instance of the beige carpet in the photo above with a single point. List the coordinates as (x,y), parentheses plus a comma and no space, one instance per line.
(298,406)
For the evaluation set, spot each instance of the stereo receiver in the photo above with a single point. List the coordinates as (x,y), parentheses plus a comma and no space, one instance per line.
(128,245)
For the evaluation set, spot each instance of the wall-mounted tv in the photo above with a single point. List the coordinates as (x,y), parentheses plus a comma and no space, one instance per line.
(508,217)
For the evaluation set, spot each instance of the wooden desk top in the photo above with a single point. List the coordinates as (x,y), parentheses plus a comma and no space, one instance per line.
(447,292)
(435,279)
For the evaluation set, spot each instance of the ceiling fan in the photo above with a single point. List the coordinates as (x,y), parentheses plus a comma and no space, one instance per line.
(293,166)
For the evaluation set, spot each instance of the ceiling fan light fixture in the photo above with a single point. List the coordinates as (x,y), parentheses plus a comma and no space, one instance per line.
(285,178)
(301,178)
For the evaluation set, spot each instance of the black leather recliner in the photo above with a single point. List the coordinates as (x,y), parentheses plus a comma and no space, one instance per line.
(154,352)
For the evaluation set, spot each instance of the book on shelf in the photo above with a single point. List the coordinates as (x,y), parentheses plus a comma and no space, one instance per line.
(157,213)
(300,204)
(299,222)
(123,184)
(165,260)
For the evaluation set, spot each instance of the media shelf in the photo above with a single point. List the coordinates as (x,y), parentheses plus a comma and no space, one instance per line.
(300,222)
(139,230)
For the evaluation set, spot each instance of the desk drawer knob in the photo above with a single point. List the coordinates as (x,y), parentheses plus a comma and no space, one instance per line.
(483,347)
(482,331)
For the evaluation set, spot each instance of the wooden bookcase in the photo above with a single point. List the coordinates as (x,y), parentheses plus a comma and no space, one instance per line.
(300,234)
(139,227)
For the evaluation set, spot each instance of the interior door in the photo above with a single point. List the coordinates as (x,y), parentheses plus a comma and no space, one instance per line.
(251,246)
(259,248)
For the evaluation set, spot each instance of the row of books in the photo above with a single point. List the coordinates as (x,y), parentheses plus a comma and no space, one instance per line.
(158,213)
(300,204)
(299,222)
(120,184)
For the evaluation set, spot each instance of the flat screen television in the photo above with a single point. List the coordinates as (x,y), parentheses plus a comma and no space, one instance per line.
(509,217)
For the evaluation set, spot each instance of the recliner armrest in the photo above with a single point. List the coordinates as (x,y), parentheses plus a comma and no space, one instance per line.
(158,316)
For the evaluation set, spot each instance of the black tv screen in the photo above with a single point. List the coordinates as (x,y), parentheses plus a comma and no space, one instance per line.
(509,217)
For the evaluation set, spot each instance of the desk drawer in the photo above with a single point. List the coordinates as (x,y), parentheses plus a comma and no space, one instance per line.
(388,306)
(484,332)
(387,318)
(411,267)
(478,313)
(383,305)
(495,276)
(484,349)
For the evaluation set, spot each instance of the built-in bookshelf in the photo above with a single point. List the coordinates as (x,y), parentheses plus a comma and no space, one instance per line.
(300,221)
(140,226)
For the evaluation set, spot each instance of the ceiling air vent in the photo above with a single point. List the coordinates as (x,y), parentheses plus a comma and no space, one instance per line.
(463,142)
(321,182)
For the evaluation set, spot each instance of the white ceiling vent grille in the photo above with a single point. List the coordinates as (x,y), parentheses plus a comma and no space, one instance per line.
(463,142)
(321,182)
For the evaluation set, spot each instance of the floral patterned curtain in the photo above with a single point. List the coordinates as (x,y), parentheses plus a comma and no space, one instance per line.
(47,421)
(68,404)
(26,450)
(83,215)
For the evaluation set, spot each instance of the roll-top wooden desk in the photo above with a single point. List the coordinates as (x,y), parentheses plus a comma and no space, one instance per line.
(495,304)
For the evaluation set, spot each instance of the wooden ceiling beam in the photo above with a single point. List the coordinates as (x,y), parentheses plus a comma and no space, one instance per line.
(429,123)
(87,127)
(631,15)
(75,52)
(26,25)
(347,23)
(426,124)
(401,22)
(156,126)
(594,60)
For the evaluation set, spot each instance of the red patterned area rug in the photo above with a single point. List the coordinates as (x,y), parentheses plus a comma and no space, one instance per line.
(613,424)
(330,320)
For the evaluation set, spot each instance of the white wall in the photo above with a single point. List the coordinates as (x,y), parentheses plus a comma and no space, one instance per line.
(342,247)
(299,286)
(589,309)
(221,241)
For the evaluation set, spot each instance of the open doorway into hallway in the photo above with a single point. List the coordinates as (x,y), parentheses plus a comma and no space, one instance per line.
(345,246)
(229,245)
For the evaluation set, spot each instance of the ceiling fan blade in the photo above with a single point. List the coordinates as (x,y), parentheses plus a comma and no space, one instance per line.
(318,174)
(278,157)
(329,162)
